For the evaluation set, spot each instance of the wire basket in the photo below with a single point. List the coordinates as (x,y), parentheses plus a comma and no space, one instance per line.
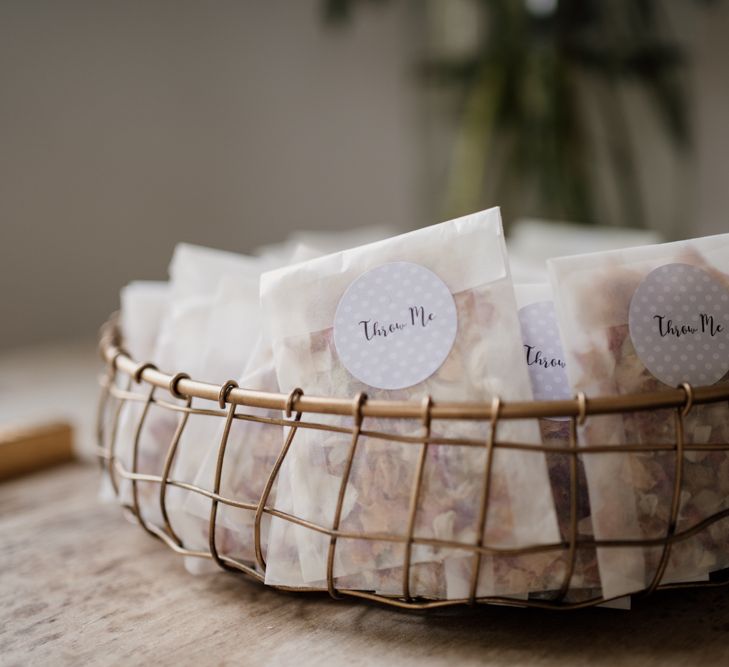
(127,380)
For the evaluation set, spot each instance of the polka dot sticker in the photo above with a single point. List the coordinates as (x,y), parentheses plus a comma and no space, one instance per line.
(395,325)
(679,325)
(543,351)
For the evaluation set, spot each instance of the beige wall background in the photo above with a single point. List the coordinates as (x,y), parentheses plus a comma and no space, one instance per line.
(128,126)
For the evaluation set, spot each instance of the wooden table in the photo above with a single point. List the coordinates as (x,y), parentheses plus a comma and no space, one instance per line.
(81,585)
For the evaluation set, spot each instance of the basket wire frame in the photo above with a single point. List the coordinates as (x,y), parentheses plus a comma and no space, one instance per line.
(127,380)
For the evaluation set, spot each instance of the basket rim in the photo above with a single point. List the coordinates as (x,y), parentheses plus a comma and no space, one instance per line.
(113,353)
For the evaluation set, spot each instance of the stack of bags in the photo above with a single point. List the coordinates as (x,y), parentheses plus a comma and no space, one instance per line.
(442,312)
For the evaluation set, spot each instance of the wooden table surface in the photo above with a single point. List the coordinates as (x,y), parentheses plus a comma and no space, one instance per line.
(81,585)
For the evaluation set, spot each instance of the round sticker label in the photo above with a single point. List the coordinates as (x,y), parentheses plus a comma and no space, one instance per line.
(543,352)
(395,325)
(679,325)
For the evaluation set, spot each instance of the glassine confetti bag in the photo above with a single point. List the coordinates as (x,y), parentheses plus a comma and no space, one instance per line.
(431,312)
(544,357)
(196,275)
(143,305)
(641,320)
(234,346)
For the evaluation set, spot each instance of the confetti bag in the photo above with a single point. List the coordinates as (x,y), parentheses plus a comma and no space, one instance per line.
(548,375)
(235,345)
(253,444)
(142,308)
(431,312)
(197,275)
(641,320)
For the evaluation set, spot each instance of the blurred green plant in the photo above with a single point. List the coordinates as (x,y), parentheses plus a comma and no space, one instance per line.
(526,131)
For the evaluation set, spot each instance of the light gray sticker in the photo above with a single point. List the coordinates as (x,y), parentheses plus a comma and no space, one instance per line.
(543,351)
(395,325)
(679,325)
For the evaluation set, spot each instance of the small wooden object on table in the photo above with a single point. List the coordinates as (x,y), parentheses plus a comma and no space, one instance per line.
(25,449)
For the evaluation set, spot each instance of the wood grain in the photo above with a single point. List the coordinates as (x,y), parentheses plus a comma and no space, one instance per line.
(81,585)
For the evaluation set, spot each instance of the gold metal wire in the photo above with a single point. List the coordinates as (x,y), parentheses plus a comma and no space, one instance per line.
(295,393)
(216,484)
(358,402)
(572,552)
(483,513)
(169,459)
(182,394)
(415,497)
(679,416)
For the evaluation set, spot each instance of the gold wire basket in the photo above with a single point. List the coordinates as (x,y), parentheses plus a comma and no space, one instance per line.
(128,380)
